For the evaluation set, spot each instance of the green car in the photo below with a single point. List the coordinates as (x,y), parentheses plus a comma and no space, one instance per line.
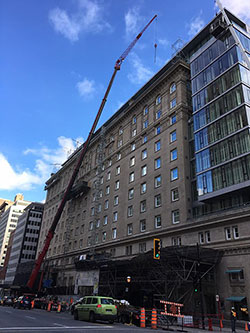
(94,308)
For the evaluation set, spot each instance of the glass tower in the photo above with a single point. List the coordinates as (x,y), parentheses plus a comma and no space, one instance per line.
(220,82)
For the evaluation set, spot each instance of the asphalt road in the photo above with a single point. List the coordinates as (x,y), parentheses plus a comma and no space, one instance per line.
(36,320)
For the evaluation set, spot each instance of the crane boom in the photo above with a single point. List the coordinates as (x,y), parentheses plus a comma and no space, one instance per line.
(58,214)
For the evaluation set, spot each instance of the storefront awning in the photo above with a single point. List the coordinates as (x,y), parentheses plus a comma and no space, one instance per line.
(233,271)
(235,298)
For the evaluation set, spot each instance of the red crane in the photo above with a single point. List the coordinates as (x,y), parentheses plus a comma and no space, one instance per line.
(51,231)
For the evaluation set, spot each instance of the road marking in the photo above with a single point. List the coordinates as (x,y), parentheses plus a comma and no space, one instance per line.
(61,325)
(8,311)
(25,329)
(30,317)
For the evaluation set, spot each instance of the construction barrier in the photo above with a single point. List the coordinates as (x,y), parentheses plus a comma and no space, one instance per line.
(59,308)
(221,323)
(143,318)
(154,319)
(247,326)
(49,307)
(210,325)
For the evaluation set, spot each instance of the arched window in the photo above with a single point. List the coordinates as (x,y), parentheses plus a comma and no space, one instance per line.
(158,100)
(172,87)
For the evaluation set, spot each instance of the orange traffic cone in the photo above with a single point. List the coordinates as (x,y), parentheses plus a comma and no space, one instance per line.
(49,306)
(221,323)
(59,308)
(246,327)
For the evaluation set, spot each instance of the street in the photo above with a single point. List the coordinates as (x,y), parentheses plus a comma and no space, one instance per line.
(36,320)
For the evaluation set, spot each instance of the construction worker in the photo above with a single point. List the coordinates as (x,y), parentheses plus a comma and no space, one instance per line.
(233,319)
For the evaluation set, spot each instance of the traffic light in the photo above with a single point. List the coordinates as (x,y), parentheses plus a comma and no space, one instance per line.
(157,248)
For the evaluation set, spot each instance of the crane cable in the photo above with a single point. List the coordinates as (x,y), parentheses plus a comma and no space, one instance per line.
(155,44)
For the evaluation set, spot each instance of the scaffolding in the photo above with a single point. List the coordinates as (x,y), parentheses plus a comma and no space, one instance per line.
(174,277)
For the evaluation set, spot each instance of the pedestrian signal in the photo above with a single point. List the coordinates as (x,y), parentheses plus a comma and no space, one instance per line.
(157,248)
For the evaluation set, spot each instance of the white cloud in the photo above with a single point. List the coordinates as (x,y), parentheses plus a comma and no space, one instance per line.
(87,18)
(164,42)
(132,21)
(140,74)
(240,8)
(14,178)
(86,88)
(196,25)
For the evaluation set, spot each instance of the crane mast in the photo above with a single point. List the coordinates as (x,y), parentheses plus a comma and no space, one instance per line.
(58,214)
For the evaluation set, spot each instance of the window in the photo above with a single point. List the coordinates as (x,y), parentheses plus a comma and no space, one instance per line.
(172,88)
(143,188)
(144,139)
(108,175)
(158,114)
(132,161)
(158,181)
(144,154)
(134,120)
(92,212)
(176,241)
(236,232)
(132,146)
(118,156)
(144,170)
(143,225)
(116,200)
(174,174)
(158,163)
(143,206)
(142,247)
(91,225)
(173,119)
(145,124)
(104,235)
(107,190)
(130,211)
(117,185)
(173,103)
(120,130)
(228,233)
(98,223)
(173,136)
(175,216)
(158,200)
(131,177)
(115,216)
(114,233)
(118,170)
(158,100)
(128,250)
(99,209)
(158,145)
(207,237)
(145,110)
(106,204)
(134,132)
(105,222)
(158,221)
(130,229)
(175,194)
(101,180)
(119,143)
(158,130)
(173,154)
(109,163)
(201,238)
(130,193)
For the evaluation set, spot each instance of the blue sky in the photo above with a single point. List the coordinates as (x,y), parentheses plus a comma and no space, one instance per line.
(56,59)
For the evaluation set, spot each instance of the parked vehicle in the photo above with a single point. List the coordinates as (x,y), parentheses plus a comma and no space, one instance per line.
(94,308)
(23,302)
(7,300)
